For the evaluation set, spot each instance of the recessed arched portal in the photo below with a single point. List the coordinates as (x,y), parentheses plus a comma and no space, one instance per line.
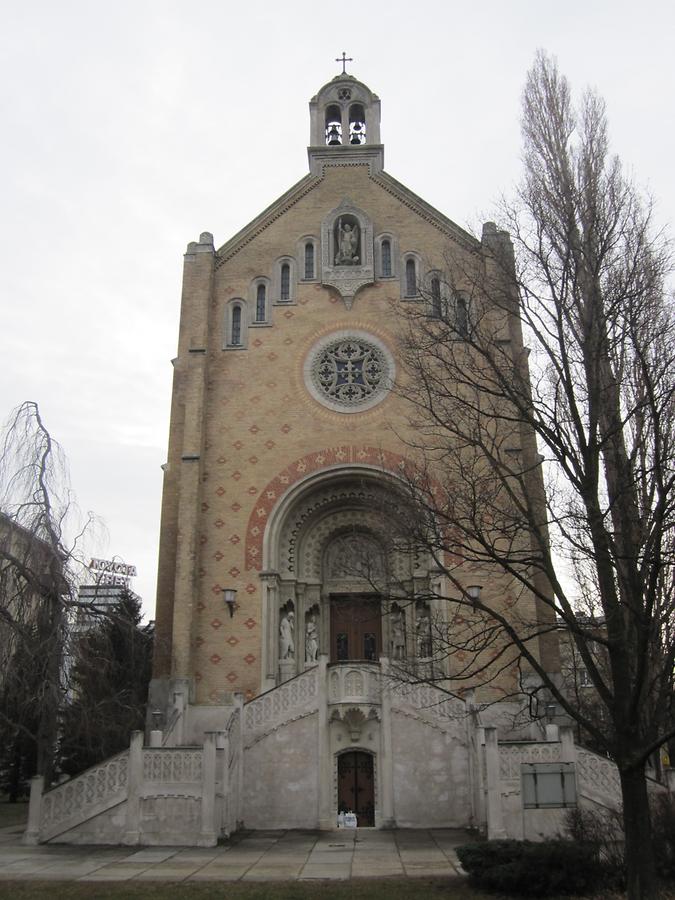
(332,567)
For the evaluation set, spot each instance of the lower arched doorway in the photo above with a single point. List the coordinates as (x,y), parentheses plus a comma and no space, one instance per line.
(356,786)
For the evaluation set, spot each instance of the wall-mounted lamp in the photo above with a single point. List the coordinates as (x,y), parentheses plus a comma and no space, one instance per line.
(473,590)
(551,712)
(230,597)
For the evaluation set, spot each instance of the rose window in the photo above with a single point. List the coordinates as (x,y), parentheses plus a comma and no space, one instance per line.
(350,373)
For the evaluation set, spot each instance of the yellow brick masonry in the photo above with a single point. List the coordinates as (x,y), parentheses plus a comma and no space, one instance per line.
(247,415)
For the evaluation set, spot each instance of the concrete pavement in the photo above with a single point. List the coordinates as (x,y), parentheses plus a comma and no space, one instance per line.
(251,856)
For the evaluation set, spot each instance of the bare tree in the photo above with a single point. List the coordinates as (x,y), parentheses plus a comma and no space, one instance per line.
(40,569)
(534,465)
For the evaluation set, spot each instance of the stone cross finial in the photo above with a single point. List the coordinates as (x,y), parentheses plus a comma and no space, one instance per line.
(344,59)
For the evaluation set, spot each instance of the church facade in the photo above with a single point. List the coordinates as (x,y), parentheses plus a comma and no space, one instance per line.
(287,438)
(296,627)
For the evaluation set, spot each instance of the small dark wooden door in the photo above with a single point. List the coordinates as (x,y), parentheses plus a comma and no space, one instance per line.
(355,629)
(356,789)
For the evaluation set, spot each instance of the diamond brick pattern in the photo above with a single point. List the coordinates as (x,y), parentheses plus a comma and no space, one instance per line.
(250,589)
(215,659)
(219,523)
(250,623)
(220,490)
(270,445)
(216,589)
(237,445)
(235,507)
(249,658)
(231,677)
(216,623)
(254,429)
(234,571)
(218,556)
(232,641)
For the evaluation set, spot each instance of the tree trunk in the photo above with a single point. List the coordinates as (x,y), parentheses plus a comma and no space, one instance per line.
(640,863)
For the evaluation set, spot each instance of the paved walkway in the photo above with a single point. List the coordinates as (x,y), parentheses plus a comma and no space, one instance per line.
(253,856)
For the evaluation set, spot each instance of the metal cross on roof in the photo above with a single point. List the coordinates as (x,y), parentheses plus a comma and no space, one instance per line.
(344,59)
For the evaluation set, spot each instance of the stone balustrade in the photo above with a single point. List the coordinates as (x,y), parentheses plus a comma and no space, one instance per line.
(354,683)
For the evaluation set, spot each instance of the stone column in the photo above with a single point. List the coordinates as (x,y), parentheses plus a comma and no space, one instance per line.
(208,836)
(32,833)
(239,807)
(495,816)
(270,637)
(132,834)
(326,813)
(386,762)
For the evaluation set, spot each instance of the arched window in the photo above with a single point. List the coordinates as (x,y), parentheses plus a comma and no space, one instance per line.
(285,286)
(333,126)
(309,260)
(410,278)
(436,304)
(461,317)
(261,303)
(235,330)
(386,258)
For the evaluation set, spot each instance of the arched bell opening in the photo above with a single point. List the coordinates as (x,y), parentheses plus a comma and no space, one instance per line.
(333,126)
(357,124)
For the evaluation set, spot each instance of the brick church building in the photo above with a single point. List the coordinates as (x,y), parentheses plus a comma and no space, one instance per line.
(276,701)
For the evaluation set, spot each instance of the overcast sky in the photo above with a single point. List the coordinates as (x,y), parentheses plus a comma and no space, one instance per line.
(130,127)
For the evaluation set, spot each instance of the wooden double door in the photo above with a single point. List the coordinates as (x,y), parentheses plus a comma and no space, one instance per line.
(356,786)
(355,628)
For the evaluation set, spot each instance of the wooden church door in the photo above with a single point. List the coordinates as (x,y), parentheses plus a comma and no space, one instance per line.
(355,629)
(356,786)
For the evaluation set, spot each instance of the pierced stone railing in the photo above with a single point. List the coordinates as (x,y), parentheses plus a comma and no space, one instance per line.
(354,683)
(289,701)
(168,765)
(598,778)
(87,795)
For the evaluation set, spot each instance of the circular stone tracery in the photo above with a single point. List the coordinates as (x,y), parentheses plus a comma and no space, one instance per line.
(349,371)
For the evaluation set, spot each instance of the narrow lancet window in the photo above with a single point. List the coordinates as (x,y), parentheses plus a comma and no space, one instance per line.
(386,259)
(261,303)
(436,309)
(236,327)
(410,278)
(285,292)
(462,317)
(309,260)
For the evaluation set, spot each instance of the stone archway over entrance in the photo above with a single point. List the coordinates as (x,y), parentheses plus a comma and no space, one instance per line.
(332,571)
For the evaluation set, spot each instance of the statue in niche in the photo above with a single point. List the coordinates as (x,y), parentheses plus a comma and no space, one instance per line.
(347,235)
(423,629)
(397,634)
(286,638)
(311,639)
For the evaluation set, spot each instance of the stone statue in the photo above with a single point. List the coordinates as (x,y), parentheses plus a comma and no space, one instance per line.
(286,640)
(423,634)
(311,640)
(348,244)
(398,635)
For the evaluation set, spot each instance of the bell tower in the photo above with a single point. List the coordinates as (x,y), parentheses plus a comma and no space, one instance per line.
(345,126)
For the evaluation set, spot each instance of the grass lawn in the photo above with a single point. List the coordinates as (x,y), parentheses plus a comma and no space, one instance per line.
(392,889)
(385,889)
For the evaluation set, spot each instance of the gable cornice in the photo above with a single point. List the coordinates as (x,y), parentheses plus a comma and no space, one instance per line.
(307,184)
